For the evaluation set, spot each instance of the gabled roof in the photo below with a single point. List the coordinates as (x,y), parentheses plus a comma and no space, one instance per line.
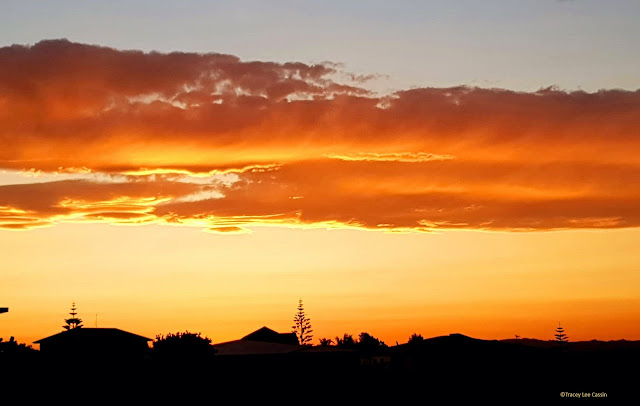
(262,341)
(267,335)
(92,334)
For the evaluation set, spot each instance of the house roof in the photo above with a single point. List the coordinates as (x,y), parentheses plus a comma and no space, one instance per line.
(267,335)
(262,341)
(92,334)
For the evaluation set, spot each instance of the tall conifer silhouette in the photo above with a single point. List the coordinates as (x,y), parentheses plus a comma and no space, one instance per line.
(73,322)
(302,326)
(560,335)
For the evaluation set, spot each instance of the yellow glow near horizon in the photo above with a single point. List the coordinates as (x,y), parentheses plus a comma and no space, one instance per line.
(157,279)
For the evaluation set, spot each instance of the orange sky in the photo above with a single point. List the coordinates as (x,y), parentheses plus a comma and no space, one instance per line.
(488,212)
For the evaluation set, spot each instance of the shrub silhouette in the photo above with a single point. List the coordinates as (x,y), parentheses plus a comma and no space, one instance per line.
(183,346)
(326,342)
(346,341)
(12,348)
(368,343)
(17,354)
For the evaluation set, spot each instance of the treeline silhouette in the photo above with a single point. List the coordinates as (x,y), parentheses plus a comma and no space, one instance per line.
(13,351)
(364,341)
(183,346)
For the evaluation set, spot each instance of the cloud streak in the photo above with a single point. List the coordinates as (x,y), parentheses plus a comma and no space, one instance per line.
(299,149)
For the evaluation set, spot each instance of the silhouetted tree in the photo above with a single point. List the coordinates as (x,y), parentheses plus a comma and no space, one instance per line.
(13,352)
(415,338)
(346,341)
(73,322)
(12,347)
(560,335)
(325,342)
(368,342)
(183,346)
(302,325)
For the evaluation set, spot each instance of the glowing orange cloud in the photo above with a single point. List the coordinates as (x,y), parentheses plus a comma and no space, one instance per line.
(303,149)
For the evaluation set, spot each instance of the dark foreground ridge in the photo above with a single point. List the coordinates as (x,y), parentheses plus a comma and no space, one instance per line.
(453,366)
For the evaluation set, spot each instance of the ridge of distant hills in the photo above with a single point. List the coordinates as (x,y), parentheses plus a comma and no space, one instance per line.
(457,340)
(577,345)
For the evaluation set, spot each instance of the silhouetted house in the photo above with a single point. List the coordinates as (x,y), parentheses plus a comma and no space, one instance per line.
(88,344)
(267,335)
(263,341)
(265,351)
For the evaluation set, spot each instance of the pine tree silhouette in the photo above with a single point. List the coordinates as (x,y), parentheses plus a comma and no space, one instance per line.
(73,322)
(302,326)
(560,335)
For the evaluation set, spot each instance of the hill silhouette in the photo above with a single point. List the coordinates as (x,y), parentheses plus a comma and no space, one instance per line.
(592,345)
(540,369)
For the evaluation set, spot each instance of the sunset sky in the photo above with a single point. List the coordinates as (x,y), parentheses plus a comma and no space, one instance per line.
(410,167)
